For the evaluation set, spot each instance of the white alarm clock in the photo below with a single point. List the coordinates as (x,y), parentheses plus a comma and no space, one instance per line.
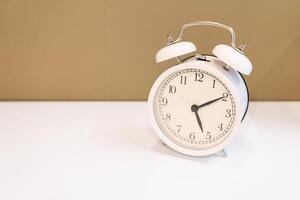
(197,105)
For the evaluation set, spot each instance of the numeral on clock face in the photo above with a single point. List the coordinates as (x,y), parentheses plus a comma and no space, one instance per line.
(178,128)
(164,101)
(183,80)
(172,89)
(214,84)
(220,127)
(208,135)
(225,95)
(213,101)
(199,77)
(228,113)
(168,116)
(192,135)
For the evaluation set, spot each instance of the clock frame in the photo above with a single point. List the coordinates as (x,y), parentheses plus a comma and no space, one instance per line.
(231,78)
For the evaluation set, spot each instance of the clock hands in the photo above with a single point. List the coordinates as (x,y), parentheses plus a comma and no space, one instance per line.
(209,102)
(195,109)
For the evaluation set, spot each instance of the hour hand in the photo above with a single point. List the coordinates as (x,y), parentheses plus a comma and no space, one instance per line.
(194,109)
(199,121)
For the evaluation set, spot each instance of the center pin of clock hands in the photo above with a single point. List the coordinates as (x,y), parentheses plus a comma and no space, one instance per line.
(195,109)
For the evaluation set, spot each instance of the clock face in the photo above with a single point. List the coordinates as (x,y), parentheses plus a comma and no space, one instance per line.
(194,109)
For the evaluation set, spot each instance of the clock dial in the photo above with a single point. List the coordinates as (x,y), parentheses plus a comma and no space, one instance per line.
(195,109)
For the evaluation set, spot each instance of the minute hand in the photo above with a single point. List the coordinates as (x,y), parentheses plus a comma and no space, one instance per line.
(209,102)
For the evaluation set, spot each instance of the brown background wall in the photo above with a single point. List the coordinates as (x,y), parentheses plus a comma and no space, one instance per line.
(104,50)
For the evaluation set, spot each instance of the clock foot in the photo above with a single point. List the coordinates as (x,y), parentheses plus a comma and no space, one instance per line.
(223,153)
(162,142)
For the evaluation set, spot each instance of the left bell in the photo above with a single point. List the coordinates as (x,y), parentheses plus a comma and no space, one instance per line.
(175,50)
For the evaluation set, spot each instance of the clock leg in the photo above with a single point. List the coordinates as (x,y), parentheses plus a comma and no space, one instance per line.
(223,153)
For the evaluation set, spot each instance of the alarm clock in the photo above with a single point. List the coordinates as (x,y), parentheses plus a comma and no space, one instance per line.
(197,106)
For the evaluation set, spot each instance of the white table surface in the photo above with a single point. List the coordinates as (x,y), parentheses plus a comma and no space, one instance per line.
(103,150)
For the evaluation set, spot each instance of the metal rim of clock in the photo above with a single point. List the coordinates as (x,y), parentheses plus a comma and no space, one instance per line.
(206,23)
